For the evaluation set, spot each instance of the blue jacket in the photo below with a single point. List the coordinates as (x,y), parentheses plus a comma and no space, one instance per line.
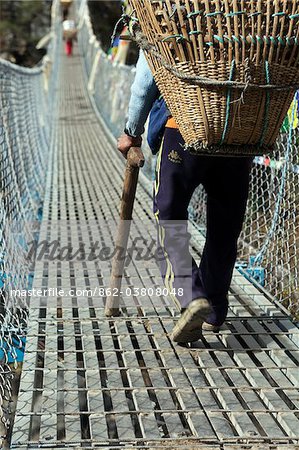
(145,98)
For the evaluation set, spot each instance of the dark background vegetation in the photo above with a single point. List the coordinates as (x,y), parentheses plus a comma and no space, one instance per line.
(104,15)
(22,24)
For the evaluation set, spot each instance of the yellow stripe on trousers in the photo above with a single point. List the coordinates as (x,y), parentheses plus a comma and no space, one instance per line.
(169,276)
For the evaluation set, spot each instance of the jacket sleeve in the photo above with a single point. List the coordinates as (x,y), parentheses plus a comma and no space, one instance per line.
(143,94)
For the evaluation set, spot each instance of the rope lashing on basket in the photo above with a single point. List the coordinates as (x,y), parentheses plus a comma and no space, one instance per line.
(254,14)
(194,13)
(214,13)
(265,40)
(279,14)
(200,81)
(175,10)
(125,19)
(195,32)
(247,78)
(240,13)
(288,40)
(235,13)
(267,106)
(144,44)
(262,40)
(177,37)
(218,38)
(281,41)
(228,103)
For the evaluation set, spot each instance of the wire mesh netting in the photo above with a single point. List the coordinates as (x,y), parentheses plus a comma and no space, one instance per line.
(271,231)
(26,105)
(268,247)
(269,243)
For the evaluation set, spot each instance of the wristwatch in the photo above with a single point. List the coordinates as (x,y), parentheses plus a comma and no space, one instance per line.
(128,134)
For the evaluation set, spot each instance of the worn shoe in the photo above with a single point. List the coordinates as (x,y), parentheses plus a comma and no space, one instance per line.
(189,326)
(209,327)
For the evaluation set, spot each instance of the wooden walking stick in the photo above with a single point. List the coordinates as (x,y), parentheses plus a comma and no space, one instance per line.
(135,160)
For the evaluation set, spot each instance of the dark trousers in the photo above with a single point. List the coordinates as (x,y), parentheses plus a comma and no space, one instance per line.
(226,181)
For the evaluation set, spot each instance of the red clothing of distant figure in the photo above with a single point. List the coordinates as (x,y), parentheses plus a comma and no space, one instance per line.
(69,47)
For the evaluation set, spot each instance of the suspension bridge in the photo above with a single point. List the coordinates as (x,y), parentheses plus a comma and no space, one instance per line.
(88,381)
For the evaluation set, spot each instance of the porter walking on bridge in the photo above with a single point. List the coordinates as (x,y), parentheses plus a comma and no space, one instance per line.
(237,115)
(178,174)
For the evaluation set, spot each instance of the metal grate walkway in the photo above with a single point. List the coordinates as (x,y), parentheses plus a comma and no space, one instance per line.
(93,382)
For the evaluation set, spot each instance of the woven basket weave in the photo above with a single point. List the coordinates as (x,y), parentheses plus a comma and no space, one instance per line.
(70,34)
(255,43)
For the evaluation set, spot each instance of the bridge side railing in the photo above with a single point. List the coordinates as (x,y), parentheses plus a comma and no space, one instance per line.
(108,82)
(27,103)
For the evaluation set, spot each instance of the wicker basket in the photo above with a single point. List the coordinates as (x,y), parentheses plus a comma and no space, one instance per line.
(193,45)
(70,34)
(66,3)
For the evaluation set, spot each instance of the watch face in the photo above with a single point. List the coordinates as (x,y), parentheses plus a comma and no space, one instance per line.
(127,133)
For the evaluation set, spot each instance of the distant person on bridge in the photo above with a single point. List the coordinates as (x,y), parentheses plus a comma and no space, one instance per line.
(178,173)
(65,13)
(65,7)
(69,34)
